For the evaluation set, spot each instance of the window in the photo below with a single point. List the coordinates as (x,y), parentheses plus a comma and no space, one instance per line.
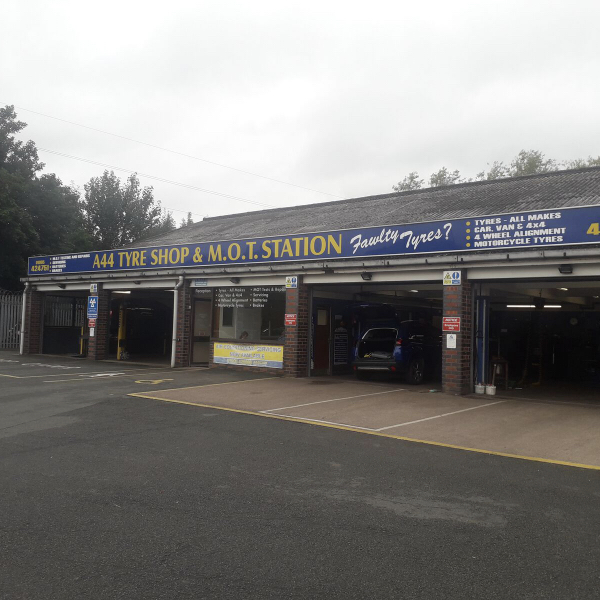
(227,317)
(251,314)
(381,334)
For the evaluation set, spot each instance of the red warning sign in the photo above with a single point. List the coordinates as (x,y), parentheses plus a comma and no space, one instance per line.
(290,320)
(451,324)
(91,323)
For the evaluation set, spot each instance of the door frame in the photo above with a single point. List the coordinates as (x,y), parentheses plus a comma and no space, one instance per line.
(208,337)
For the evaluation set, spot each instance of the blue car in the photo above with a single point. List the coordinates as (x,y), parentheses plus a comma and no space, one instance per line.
(411,349)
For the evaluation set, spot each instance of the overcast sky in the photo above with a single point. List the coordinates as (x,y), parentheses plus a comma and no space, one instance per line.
(341,97)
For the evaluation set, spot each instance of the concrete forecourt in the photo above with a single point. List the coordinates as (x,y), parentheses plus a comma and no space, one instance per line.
(146,482)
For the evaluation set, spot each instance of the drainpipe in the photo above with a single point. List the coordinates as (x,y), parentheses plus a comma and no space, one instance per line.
(23,317)
(175,311)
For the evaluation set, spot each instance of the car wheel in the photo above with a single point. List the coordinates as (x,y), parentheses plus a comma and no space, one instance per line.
(416,371)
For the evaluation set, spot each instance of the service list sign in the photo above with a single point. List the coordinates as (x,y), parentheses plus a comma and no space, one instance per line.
(505,232)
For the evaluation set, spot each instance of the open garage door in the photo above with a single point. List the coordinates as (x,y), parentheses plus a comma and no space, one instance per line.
(141,325)
(379,330)
(544,338)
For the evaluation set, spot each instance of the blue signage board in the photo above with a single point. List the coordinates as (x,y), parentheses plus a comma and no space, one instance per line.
(500,232)
(92,307)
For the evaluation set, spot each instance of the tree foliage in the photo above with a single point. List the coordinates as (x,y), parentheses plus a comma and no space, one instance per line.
(41,215)
(119,213)
(38,214)
(444,177)
(187,221)
(527,162)
(411,182)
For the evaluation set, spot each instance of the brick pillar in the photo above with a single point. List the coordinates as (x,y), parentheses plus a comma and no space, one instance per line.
(295,350)
(456,362)
(184,325)
(98,345)
(34,319)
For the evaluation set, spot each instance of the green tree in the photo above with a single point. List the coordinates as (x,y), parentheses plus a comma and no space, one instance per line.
(498,170)
(117,214)
(187,221)
(531,162)
(527,162)
(581,163)
(167,223)
(411,182)
(38,214)
(444,177)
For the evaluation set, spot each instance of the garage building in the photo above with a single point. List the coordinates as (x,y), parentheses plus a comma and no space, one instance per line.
(502,277)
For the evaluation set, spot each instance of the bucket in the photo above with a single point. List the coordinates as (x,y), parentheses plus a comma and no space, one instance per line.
(490,390)
(479,388)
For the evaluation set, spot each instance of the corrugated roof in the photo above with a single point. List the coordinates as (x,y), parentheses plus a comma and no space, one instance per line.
(558,189)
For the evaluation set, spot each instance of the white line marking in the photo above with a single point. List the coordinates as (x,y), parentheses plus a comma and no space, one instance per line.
(333,400)
(305,420)
(439,416)
(81,376)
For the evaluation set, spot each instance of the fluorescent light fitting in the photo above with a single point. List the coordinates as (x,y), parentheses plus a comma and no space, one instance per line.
(533,306)
(121,292)
(520,306)
(413,291)
(564,289)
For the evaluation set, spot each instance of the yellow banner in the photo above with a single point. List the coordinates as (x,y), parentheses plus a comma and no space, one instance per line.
(248,355)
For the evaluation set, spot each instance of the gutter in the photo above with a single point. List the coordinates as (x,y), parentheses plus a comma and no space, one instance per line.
(23,320)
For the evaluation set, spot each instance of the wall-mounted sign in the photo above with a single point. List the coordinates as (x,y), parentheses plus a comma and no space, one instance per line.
(248,355)
(92,307)
(91,323)
(451,324)
(93,288)
(579,225)
(340,346)
(250,297)
(291,319)
(452,277)
(451,340)
(199,283)
(291,282)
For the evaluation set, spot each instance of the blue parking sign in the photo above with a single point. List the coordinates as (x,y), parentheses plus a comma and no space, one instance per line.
(92,307)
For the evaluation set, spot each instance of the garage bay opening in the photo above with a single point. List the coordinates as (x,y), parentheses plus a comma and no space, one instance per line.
(378,330)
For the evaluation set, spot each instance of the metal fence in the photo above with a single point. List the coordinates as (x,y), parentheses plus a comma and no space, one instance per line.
(64,312)
(10,319)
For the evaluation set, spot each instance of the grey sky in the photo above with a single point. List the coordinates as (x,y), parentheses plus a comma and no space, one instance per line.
(341,97)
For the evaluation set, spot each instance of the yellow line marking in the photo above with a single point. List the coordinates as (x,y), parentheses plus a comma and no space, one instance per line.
(366,432)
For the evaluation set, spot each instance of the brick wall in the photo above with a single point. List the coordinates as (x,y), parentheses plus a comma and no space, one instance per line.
(295,352)
(456,362)
(98,345)
(34,322)
(184,326)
